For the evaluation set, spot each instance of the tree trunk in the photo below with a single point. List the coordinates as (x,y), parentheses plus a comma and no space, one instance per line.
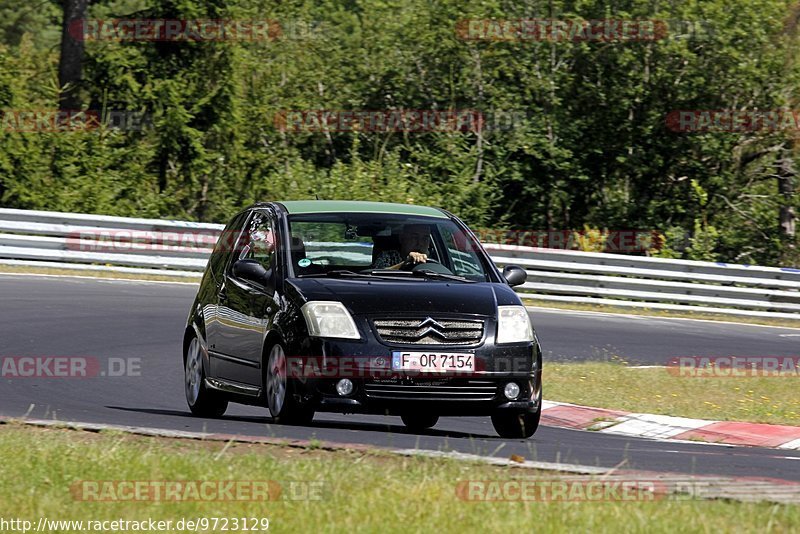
(70,65)
(786,178)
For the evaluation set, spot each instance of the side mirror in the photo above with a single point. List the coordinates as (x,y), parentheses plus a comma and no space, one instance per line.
(514,275)
(252,271)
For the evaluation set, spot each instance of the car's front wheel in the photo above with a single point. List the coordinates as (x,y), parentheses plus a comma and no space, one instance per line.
(282,404)
(202,401)
(516,425)
(419,421)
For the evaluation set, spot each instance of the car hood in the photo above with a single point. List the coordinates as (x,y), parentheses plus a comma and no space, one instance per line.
(366,297)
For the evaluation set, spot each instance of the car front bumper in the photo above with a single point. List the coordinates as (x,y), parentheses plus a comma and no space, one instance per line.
(317,366)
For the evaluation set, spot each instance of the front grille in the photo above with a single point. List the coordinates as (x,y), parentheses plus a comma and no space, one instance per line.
(469,390)
(430,331)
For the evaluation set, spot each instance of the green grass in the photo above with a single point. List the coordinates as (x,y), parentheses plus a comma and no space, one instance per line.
(603,308)
(363,491)
(616,385)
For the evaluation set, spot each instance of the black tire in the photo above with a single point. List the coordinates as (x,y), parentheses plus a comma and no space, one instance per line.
(419,421)
(202,401)
(278,390)
(516,425)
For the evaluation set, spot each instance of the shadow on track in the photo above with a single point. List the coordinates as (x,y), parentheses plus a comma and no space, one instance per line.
(339,425)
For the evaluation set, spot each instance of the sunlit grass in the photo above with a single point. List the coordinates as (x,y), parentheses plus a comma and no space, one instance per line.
(363,492)
(619,386)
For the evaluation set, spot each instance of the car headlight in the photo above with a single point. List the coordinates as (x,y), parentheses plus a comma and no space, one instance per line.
(328,318)
(513,324)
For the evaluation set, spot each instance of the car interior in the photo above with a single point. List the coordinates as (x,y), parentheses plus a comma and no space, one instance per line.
(381,241)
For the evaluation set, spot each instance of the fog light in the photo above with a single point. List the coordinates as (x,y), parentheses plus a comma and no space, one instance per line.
(511,391)
(344,387)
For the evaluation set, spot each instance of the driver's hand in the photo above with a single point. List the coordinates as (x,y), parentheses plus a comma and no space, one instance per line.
(416,257)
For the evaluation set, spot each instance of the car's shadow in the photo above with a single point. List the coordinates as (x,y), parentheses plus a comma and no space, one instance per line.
(339,425)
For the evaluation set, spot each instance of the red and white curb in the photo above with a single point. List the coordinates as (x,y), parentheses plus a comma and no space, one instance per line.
(665,427)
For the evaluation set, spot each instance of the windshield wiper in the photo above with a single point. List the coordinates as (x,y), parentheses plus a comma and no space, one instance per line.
(424,273)
(335,274)
(344,273)
(388,272)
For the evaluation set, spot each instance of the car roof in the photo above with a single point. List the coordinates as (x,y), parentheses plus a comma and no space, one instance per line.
(296,207)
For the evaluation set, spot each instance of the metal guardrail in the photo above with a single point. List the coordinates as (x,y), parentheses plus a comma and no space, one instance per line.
(181,249)
(657,283)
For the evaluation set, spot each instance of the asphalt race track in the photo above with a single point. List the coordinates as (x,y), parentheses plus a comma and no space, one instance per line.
(103,319)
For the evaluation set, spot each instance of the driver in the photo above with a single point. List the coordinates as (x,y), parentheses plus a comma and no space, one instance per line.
(415,240)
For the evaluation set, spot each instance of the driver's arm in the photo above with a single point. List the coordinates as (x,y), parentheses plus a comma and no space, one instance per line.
(413,258)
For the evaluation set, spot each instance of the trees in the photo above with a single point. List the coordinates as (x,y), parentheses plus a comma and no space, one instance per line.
(583,137)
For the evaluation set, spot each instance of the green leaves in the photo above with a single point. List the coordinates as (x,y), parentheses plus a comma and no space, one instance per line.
(587,144)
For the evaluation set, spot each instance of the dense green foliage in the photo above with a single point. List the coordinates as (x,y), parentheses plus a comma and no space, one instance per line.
(593,150)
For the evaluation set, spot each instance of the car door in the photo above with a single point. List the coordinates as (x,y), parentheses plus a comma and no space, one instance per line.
(245,309)
(215,278)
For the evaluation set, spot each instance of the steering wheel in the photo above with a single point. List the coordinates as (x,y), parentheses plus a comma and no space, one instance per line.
(432,265)
(413,266)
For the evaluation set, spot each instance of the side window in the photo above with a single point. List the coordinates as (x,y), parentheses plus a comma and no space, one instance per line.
(224,247)
(258,241)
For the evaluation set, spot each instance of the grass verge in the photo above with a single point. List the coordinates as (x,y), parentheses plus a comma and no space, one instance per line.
(363,491)
(618,386)
(602,308)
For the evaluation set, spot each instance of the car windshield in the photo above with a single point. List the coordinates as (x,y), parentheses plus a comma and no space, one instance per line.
(362,243)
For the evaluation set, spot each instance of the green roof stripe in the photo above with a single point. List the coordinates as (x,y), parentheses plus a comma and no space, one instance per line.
(296,207)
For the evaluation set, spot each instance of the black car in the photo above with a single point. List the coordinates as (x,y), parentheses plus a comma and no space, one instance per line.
(361,307)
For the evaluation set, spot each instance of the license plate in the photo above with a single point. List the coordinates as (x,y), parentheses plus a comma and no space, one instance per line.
(435,362)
